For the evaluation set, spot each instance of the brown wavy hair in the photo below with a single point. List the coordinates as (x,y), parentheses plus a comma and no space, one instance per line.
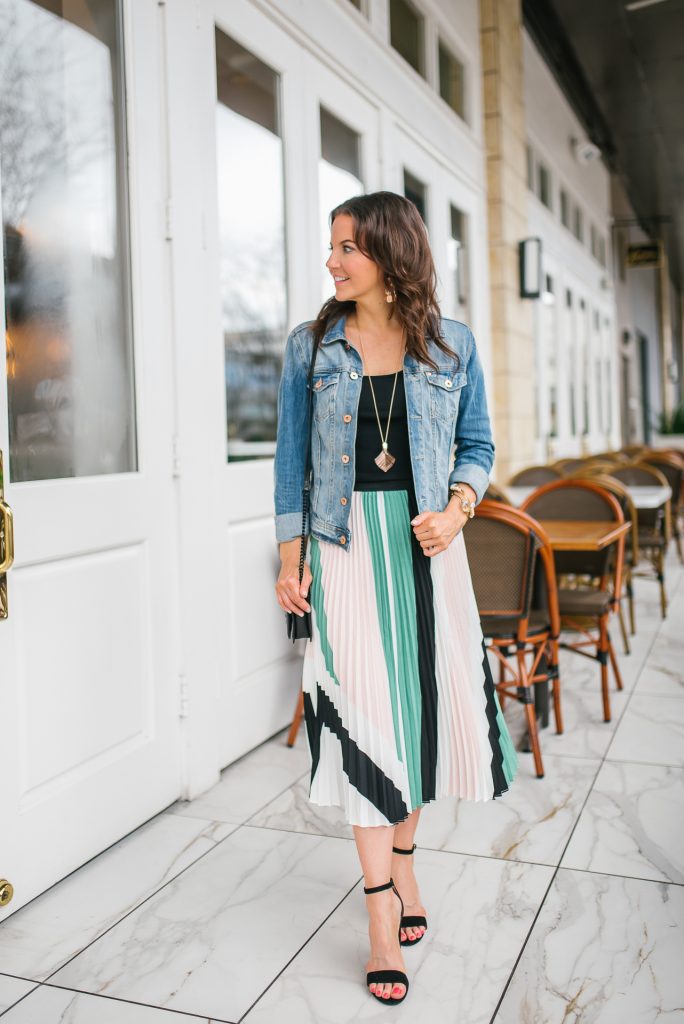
(390,231)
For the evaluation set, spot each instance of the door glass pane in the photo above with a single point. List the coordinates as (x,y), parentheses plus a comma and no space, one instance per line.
(457,260)
(549,343)
(451,80)
(406,33)
(571,356)
(416,191)
(586,383)
(252,240)
(65,231)
(339,178)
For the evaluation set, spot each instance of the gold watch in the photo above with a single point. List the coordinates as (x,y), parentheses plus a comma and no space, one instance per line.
(467,505)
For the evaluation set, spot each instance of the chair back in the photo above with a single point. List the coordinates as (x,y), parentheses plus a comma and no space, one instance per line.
(638,474)
(502,552)
(534,475)
(494,493)
(672,468)
(629,510)
(567,466)
(577,500)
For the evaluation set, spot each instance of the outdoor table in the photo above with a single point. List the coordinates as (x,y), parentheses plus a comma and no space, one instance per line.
(583,534)
(643,497)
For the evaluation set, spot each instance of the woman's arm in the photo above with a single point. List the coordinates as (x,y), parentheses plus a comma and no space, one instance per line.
(473,435)
(290,455)
(288,475)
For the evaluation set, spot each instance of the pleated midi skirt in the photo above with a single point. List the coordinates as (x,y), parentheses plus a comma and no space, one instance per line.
(399,701)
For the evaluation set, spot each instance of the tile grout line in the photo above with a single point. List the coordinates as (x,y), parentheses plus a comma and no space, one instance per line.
(572,831)
(302,947)
(200,1018)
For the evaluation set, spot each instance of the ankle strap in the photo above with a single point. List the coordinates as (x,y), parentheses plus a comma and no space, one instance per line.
(395,849)
(379,888)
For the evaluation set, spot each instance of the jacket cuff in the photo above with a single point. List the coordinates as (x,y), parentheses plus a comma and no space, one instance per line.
(288,526)
(471,473)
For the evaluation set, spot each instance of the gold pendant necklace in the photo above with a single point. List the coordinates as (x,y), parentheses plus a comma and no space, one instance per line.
(384,459)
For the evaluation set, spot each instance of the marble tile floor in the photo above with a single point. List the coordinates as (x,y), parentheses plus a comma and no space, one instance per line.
(561,902)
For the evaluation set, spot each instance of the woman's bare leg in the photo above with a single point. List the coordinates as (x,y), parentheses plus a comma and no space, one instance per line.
(374,845)
(403,875)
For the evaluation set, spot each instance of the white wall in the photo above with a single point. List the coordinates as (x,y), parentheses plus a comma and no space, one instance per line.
(551,125)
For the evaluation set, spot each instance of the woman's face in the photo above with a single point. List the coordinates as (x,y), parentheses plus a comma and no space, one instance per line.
(355,275)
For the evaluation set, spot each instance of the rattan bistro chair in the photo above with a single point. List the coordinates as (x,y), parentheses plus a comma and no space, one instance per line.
(632,553)
(505,548)
(654,523)
(496,493)
(671,465)
(567,466)
(532,476)
(588,580)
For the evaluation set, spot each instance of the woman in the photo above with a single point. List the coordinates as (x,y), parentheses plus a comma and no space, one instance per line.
(399,702)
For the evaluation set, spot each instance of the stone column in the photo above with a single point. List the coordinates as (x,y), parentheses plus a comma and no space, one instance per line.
(513,346)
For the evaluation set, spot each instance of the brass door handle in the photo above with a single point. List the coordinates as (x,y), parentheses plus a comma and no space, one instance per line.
(6,529)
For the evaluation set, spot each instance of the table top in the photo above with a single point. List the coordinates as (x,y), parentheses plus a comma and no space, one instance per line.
(643,497)
(582,534)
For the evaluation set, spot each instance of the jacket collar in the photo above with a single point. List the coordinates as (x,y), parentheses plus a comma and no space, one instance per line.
(336,333)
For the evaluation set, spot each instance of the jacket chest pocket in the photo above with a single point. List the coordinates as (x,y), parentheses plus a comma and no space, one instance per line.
(444,389)
(325,388)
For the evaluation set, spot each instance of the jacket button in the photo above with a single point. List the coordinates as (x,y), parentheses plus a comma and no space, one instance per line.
(353,375)
(448,383)
(345,458)
(347,417)
(343,540)
(318,383)
(343,501)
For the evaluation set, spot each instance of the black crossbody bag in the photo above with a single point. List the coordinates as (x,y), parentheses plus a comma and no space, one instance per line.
(299,626)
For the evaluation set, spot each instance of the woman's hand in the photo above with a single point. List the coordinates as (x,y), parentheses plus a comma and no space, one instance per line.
(290,592)
(436,530)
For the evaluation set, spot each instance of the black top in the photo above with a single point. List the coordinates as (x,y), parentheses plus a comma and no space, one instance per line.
(369,476)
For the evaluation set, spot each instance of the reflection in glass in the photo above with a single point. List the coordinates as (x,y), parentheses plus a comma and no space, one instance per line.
(64,215)
(339,178)
(457,260)
(252,240)
(406,33)
(451,80)
(416,191)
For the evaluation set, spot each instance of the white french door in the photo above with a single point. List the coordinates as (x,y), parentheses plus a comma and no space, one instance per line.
(88,655)
(273,104)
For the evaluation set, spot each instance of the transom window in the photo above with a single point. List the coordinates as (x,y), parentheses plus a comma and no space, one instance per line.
(407,33)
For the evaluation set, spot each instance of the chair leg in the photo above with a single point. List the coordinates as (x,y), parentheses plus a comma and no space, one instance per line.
(534,739)
(678,537)
(557,712)
(614,664)
(623,628)
(629,586)
(660,569)
(502,679)
(294,728)
(602,655)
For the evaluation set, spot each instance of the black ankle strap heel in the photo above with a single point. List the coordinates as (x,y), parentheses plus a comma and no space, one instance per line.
(412,920)
(392,976)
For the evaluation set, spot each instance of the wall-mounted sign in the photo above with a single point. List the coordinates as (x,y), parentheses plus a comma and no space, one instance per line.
(645,254)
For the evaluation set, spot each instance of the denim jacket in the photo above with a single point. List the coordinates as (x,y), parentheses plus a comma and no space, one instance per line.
(444,407)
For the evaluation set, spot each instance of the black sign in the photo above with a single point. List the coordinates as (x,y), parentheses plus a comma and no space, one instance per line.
(646,254)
